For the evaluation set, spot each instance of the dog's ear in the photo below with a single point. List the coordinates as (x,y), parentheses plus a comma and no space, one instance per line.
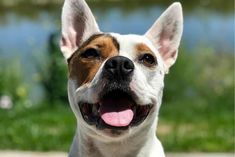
(78,24)
(166,32)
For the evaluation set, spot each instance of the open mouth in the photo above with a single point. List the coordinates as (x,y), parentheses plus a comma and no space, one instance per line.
(116,109)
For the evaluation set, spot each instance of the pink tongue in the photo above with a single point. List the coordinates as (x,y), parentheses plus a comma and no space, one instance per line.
(117,112)
(118,119)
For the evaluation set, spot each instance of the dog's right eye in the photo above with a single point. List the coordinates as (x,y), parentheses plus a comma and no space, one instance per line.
(90,53)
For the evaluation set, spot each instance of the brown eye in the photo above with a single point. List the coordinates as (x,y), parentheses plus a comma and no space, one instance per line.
(90,53)
(148,60)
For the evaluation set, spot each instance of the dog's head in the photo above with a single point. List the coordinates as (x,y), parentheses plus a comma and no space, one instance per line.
(116,81)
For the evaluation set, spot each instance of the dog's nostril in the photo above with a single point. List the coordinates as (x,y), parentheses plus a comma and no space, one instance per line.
(111,65)
(128,66)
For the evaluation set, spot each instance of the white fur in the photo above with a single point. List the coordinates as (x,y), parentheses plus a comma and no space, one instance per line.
(147,84)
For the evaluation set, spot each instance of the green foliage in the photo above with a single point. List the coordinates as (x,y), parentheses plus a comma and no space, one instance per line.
(197,110)
(203,75)
(127,4)
(196,114)
(11,80)
(53,74)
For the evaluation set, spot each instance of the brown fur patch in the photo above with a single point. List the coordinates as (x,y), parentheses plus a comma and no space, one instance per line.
(142,49)
(83,70)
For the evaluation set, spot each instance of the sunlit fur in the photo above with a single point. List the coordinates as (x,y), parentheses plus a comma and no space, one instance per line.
(147,83)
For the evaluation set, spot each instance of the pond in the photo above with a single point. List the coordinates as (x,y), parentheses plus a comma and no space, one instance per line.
(25,29)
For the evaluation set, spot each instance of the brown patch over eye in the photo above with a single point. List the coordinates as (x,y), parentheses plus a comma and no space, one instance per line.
(146,55)
(90,53)
(86,61)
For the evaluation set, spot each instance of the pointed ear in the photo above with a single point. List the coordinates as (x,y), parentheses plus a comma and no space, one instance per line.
(166,32)
(78,24)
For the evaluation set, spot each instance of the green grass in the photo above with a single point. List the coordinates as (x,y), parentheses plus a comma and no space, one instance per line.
(183,126)
(37,128)
(189,126)
(197,113)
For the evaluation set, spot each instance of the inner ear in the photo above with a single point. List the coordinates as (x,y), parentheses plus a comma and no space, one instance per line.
(166,32)
(78,24)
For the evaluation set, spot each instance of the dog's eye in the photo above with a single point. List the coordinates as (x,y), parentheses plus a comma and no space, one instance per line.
(148,60)
(90,53)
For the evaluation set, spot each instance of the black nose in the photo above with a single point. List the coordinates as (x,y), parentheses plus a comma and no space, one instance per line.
(119,67)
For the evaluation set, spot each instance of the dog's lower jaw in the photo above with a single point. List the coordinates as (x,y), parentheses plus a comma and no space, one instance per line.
(140,144)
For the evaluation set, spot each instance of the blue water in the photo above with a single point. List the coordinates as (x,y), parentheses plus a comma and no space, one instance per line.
(202,28)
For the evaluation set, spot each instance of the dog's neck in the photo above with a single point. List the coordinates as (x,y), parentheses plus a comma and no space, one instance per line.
(134,145)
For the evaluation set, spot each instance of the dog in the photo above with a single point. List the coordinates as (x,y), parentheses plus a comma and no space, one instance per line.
(115,82)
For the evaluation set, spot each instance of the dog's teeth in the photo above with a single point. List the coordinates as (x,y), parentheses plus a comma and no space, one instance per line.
(86,117)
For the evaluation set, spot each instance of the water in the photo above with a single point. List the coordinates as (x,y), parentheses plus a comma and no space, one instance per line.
(25,33)
(25,30)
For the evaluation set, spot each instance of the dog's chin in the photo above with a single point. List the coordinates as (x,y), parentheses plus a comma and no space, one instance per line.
(116,112)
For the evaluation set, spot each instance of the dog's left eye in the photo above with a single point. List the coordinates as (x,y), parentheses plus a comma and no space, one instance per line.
(148,60)
(90,53)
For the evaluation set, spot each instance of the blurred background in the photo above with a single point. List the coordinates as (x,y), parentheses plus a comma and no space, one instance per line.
(197,113)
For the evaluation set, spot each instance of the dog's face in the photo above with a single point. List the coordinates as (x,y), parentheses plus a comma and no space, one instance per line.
(116,81)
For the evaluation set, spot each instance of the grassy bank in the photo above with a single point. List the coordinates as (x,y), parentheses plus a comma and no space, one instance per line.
(196,114)
(37,128)
(184,126)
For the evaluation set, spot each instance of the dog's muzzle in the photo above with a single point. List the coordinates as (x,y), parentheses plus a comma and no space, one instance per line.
(116,107)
